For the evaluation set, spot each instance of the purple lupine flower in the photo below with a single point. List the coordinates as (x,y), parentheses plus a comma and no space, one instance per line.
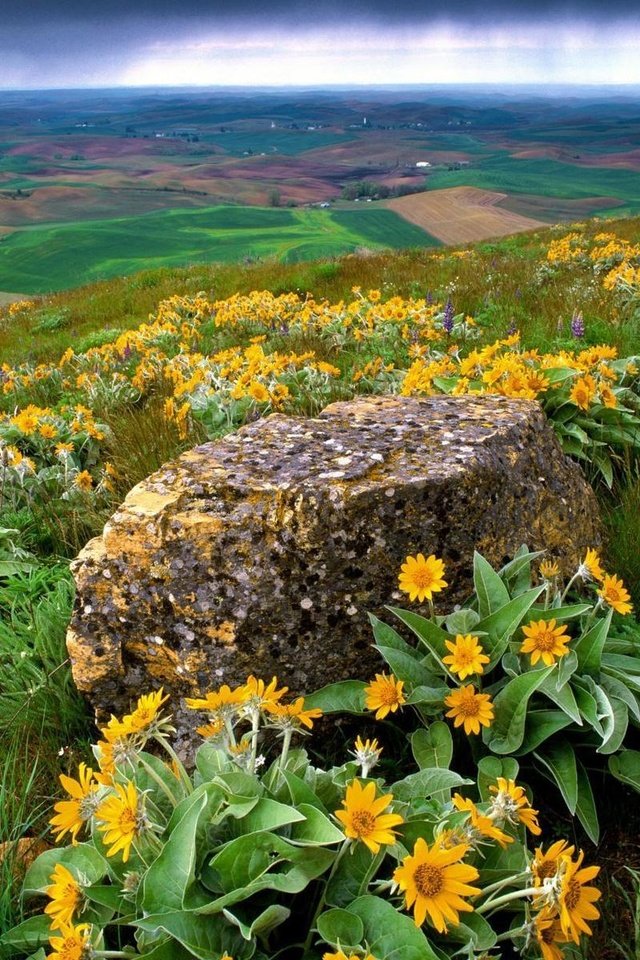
(512,328)
(448,315)
(577,324)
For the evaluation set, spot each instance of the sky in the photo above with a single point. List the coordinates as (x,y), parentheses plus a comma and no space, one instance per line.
(96,43)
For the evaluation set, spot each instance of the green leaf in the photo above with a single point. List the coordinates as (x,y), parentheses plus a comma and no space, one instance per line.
(347,696)
(316,829)
(211,761)
(589,647)
(517,572)
(567,666)
(353,875)
(28,935)
(433,746)
(386,636)
(613,683)
(586,805)
(429,696)
(587,704)
(301,792)
(490,768)
(560,761)
(614,737)
(341,929)
(205,937)
(563,698)
(462,621)
(426,783)
(571,612)
(433,637)
(473,929)
(172,873)
(491,592)
(270,918)
(82,859)
(506,733)
(390,935)
(625,766)
(540,726)
(501,625)
(268,815)
(408,667)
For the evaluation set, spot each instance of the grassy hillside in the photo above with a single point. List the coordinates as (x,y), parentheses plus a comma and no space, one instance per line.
(52,257)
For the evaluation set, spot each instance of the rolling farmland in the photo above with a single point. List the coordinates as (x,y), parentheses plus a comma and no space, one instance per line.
(46,258)
(461,214)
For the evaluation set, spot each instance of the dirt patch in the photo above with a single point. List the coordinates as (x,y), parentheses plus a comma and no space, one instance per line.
(462,214)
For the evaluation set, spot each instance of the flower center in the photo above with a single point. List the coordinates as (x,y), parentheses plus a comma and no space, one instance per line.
(429,880)
(72,948)
(363,822)
(465,657)
(613,594)
(469,705)
(572,895)
(127,821)
(545,640)
(547,868)
(546,935)
(423,577)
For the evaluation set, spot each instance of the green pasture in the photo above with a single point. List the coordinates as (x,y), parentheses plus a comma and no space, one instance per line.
(42,259)
(548,178)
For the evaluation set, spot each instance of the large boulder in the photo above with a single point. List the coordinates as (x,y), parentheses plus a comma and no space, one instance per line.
(263,552)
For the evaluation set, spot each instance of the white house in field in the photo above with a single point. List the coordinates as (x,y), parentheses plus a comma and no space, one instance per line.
(423,163)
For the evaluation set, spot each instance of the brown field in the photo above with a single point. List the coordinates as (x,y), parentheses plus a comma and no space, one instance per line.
(462,214)
(554,209)
(625,160)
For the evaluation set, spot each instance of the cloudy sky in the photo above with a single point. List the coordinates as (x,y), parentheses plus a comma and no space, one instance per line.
(75,43)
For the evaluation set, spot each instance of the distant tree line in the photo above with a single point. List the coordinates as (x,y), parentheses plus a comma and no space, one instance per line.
(360,189)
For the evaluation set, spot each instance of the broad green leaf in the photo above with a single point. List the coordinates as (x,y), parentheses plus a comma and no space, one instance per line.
(433,637)
(386,636)
(540,726)
(490,768)
(270,918)
(82,859)
(473,928)
(426,783)
(408,667)
(586,806)
(28,935)
(625,766)
(587,704)
(433,746)
(563,613)
(353,875)
(347,696)
(205,937)
(211,761)
(315,830)
(341,929)
(172,873)
(301,792)
(390,935)
(268,815)
(501,625)
(613,683)
(563,698)
(506,733)
(589,647)
(491,592)
(626,664)
(429,696)
(567,666)
(517,572)
(559,760)
(462,621)
(614,737)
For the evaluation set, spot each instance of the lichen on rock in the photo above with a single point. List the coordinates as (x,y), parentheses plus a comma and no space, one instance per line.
(263,552)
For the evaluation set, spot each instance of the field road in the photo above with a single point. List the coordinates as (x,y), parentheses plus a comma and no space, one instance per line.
(461,214)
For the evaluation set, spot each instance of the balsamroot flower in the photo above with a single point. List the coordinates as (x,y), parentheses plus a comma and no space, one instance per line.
(576,901)
(511,805)
(470,709)
(66,897)
(613,593)
(363,817)
(122,819)
(72,944)
(434,882)
(467,656)
(544,641)
(384,695)
(71,815)
(421,578)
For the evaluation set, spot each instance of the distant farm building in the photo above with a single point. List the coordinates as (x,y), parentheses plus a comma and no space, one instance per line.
(423,163)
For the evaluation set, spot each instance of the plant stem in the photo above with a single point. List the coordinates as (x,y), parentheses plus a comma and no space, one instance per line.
(510,934)
(507,898)
(255,728)
(286,743)
(159,781)
(321,902)
(499,884)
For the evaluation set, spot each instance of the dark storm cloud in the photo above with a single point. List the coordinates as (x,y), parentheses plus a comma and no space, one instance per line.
(38,13)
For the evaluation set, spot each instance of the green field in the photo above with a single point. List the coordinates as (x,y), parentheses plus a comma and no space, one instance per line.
(43,259)
(549,178)
(288,142)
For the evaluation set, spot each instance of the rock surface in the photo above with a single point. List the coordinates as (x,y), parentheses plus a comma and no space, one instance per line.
(263,552)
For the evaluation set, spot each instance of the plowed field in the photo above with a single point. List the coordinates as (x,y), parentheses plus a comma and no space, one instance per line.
(461,214)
